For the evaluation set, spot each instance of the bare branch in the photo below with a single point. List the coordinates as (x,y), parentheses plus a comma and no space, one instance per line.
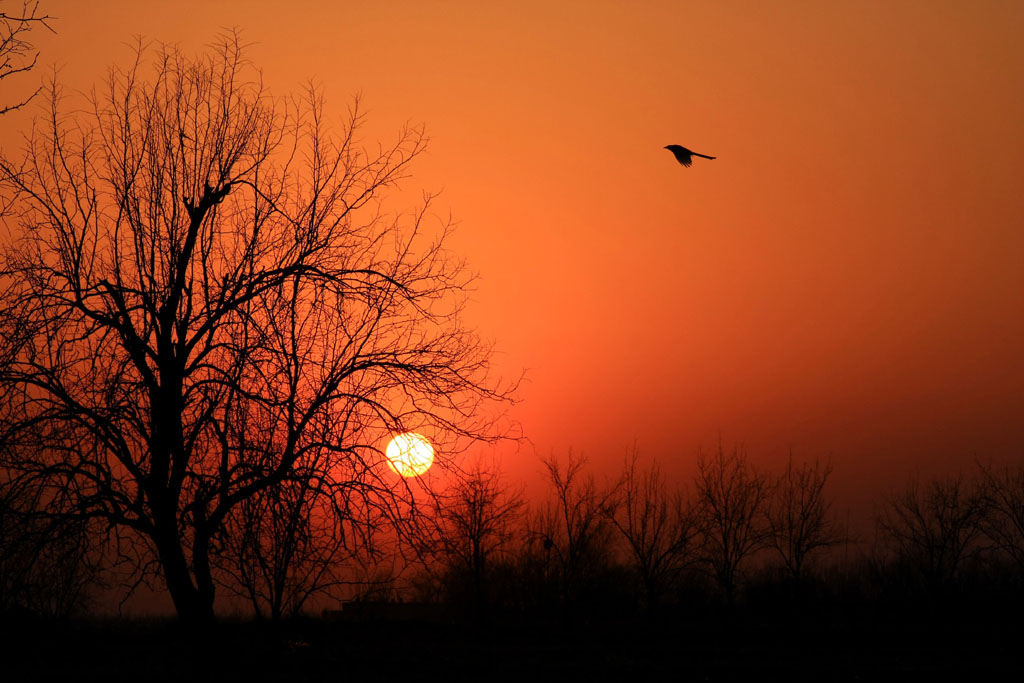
(17,56)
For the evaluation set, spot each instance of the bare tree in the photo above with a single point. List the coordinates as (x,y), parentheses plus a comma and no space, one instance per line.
(302,538)
(798,516)
(1003,521)
(476,525)
(17,55)
(935,528)
(659,526)
(731,499)
(573,528)
(194,260)
(289,546)
(48,564)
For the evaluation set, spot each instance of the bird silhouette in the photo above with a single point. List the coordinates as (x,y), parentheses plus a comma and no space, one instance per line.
(685,156)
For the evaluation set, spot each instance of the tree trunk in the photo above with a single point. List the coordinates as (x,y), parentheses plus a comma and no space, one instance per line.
(193,605)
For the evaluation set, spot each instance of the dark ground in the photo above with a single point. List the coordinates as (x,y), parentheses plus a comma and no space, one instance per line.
(392,650)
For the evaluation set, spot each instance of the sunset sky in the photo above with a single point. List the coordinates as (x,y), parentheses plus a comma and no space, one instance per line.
(846,278)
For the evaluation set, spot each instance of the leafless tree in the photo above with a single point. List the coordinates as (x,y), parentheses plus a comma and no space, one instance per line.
(1003,521)
(476,524)
(659,526)
(935,528)
(731,499)
(17,56)
(798,515)
(193,261)
(572,529)
(48,565)
(286,547)
(302,538)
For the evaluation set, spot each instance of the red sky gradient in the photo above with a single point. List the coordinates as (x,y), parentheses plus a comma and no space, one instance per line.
(847,277)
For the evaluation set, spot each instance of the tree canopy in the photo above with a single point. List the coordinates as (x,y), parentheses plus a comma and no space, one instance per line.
(204,295)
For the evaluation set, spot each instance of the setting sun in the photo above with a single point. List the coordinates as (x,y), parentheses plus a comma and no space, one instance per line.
(410,454)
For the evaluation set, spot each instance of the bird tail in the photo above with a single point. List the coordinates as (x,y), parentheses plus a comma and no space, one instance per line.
(703,156)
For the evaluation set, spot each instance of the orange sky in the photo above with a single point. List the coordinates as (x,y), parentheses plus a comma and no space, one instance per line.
(847,277)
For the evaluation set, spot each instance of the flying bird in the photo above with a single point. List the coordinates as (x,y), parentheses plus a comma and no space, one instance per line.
(685,156)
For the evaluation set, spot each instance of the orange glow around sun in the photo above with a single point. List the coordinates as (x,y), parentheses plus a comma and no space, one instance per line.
(410,454)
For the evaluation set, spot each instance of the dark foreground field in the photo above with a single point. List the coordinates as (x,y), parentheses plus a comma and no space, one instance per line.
(387,650)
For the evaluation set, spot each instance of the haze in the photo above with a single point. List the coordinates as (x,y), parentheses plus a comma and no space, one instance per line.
(845,278)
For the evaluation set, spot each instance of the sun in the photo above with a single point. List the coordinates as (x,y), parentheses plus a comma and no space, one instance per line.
(410,454)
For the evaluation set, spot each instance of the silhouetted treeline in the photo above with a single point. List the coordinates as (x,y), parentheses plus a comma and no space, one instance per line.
(734,539)
(738,539)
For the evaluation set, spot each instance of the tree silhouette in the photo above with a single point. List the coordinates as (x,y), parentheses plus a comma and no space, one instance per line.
(798,516)
(659,526)
(290,544)
(48,563)
(573,528)
(731,499)
(476,523)
(935,528)
(1003,519)
(204,298)
(16,53)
